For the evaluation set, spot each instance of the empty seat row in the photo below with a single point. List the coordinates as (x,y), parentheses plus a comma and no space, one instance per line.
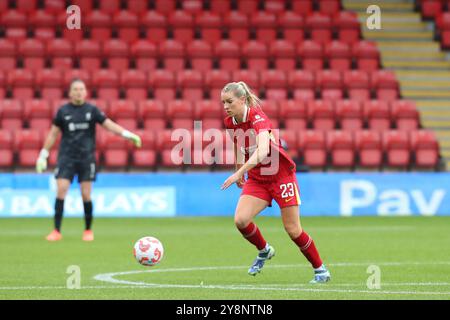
(315,149)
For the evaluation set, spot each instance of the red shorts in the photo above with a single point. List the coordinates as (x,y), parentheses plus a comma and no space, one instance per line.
(284,191)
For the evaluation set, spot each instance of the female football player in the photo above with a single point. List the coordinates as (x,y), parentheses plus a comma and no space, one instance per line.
(76,121)
(270,176)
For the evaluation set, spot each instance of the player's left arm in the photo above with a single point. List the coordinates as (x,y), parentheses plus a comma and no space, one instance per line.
(261,152)
(113,127)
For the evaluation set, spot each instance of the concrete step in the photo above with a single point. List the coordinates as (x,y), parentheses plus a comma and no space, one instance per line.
(444,144)
(435,104)
(425,94)
(445,153)
(387,17)
(410,46)
(442,134)
(402,26)
(424,65)
(397,36)
(431,114)
(394,55)
(423,75)
(443,124)
(424,85)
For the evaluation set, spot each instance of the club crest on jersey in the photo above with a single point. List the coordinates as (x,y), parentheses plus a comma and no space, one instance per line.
(88,116)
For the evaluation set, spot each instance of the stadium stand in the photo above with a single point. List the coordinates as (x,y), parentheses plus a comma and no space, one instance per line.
(155,66)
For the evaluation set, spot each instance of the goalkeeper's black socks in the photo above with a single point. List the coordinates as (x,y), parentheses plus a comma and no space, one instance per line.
(87,214)
(59,208)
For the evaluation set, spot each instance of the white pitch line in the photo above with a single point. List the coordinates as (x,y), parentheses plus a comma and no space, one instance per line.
(109,277)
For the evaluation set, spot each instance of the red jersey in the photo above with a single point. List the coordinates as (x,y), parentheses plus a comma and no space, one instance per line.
(254,122)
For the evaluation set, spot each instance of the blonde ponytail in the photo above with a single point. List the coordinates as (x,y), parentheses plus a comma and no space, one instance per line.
(241,89)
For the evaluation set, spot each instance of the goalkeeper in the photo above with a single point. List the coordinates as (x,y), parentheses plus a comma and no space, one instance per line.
(76,121)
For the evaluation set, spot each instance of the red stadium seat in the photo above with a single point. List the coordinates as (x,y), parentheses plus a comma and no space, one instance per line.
(405,115)
(228,54)
(294,114)
(347,24)
(274,6)
(144,54)
(14,19)
(248,6)
(256,55)
(425,147)
(396,146)
(145,157)
(377,114)
(302,83)
(302,7)
(89,53)
(292,26)
(85,5)
(200,55)
(312,55)
(99,24)
(123,109)
(219,6)
(22,83)
(60,52)
(72,74)
(38,114)
(7,55)
(134,83)
(319,26)
(115,158)
(6,148)
(191,84)
(181,114)
(215,80)
(210,25)
(290,138)
(367,55)
(329,7)
(357,85)
(127,24)
(313,148)
(137,6)
(321,114)
(156,25)
(237,25)
(163,83)
(369,149)
(210,112)
(182,24)
(431,8)
(284,54)
(110,7)
(17,35)
(341,148)
(339,55)
(117,53)
(192,6)
(385,84)
(42,19)
(274,83)
(330,83)
(165,6)
(349,114)
(173,54)
(153,114)
(250,77)
(32,52)
(27,145)
(107,84)
(263,22)
(26,6)
(11,115)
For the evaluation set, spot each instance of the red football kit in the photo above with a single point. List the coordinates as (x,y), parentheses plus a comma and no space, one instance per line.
(274,178)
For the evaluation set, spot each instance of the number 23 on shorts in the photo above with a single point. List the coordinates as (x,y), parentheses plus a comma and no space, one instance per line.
(289,192)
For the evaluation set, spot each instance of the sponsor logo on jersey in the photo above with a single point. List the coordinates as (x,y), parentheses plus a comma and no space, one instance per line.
(67,117)
(78,126)
(88,116)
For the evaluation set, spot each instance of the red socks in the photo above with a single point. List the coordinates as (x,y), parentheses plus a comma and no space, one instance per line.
(253,235)
(308,248)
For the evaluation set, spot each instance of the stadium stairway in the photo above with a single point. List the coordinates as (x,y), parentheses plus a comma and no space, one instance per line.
(408,47)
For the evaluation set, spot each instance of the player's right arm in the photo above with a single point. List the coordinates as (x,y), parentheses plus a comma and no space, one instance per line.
(239,161)
(41,162)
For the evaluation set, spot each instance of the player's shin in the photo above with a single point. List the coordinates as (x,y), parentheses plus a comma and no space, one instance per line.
(308,248)
(253,235)
(88,214)
(59,208)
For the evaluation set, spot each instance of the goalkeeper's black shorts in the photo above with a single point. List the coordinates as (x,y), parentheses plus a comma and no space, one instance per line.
(86,170)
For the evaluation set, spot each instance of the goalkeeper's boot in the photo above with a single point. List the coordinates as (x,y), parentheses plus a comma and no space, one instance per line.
(55,235)
(321,275)
(263,256)
(88,235)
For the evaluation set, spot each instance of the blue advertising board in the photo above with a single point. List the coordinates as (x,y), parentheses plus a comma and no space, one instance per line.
(199,194)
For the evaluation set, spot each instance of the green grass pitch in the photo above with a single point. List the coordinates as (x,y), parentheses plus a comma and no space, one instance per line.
(207,258)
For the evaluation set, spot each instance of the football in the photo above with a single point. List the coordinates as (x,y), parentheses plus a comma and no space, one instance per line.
(148,251)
